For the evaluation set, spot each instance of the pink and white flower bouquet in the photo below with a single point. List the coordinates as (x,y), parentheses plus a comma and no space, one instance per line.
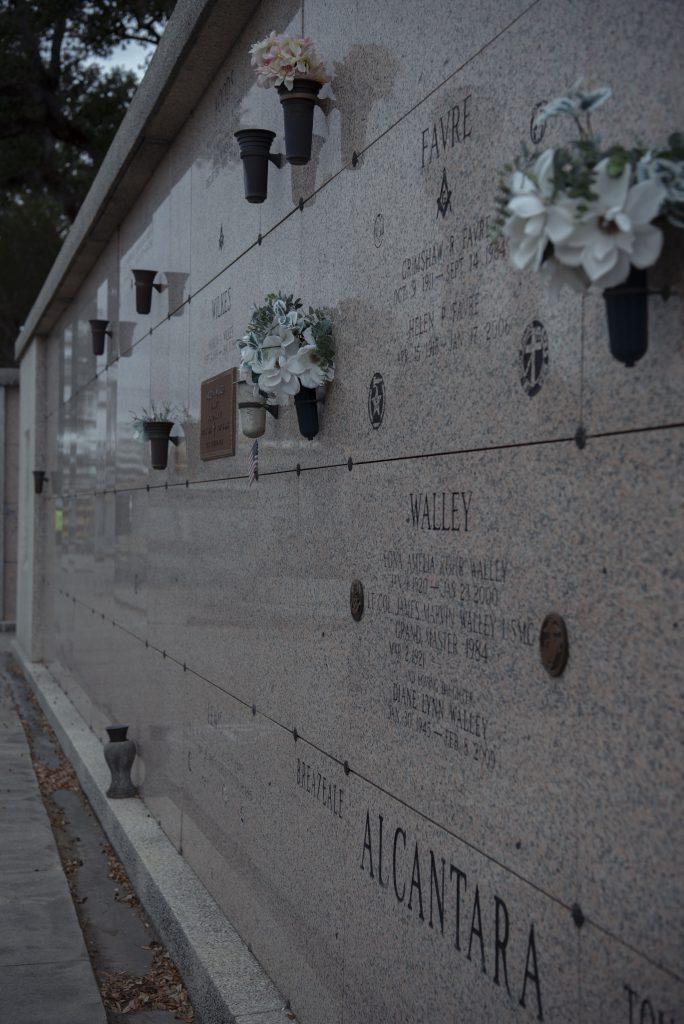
(279,59)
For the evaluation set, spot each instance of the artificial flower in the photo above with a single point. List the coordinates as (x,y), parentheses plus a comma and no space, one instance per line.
(616,231)
(279,59)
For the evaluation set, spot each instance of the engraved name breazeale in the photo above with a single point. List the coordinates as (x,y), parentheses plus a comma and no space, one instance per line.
(317,785)
(478,925)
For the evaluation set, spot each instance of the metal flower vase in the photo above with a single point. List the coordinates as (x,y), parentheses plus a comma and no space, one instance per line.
(144,283)
(120,754)
(255,146)
(298,110)
(251,410)
(99,332)
(306,404)
(158,434)
(627,310)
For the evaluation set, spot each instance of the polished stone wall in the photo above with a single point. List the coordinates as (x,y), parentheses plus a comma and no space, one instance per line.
(406,818)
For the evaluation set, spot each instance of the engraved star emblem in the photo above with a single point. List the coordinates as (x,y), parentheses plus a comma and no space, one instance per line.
(221,238)
(444,198)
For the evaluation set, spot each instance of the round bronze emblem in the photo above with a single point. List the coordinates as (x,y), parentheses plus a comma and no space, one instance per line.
(356,600)
(533,357)
(376,400)
(553,644)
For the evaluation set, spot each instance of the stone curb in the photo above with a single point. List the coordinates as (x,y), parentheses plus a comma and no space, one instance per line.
(225,982)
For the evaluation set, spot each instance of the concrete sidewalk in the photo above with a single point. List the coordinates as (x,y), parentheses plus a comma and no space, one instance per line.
(45,972)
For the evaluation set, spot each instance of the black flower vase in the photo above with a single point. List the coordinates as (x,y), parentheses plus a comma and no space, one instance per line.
(627,310)
(298,110)
(99,332)
(157,433)
(144,283)
(307,412)
(120,754)
(255,146)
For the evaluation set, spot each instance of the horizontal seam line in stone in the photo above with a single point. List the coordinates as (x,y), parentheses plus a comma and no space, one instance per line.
(408,806)
(370,462)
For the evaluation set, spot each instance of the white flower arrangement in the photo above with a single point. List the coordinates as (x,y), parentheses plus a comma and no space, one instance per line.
(583,214)
(279,59)
(284,349)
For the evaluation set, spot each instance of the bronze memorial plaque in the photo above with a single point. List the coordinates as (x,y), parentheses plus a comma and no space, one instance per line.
(217,416)
(553,644)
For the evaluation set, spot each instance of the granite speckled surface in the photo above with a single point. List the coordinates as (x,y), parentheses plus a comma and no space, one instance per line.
(214,616)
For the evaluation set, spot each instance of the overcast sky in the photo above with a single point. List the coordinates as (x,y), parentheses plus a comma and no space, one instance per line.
(131,58)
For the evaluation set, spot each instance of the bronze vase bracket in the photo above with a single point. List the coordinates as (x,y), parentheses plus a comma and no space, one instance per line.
(356,600)
(255,146)
(144,283)
(553,644)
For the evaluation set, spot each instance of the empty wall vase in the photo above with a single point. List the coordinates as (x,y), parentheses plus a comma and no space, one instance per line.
(255,153)
(144,283)
(627,311)
(120,754)
(298,110)
(306,404)
(99,333)
(158,434)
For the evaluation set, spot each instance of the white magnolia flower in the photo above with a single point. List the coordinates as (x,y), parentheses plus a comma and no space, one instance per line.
(575,103)
(535,218)
(616,231)
(278,377)
(307,365)
(670,174)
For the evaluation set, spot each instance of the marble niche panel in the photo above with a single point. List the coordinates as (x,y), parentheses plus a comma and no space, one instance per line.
(133,394)
(616,983)
(265,827)
(146,243)
(647,36)
(437,931)
(562,780)
(470,352)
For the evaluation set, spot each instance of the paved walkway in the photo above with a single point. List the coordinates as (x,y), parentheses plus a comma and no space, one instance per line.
(45,973)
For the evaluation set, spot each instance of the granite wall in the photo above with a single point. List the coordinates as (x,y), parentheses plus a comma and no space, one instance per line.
(406,817)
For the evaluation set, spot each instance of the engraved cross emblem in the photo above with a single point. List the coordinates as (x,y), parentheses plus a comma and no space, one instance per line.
(444,198)
(534,356)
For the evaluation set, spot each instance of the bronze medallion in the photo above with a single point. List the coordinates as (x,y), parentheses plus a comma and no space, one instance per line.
(356,600)
(553,644)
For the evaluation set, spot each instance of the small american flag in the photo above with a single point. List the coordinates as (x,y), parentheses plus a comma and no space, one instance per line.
(254,463)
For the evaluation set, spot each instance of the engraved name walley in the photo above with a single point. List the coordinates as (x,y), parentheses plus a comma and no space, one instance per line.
(476,924)
(440,510)
(317,785)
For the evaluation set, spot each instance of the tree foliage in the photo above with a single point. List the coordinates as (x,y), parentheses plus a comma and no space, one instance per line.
(59,110)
